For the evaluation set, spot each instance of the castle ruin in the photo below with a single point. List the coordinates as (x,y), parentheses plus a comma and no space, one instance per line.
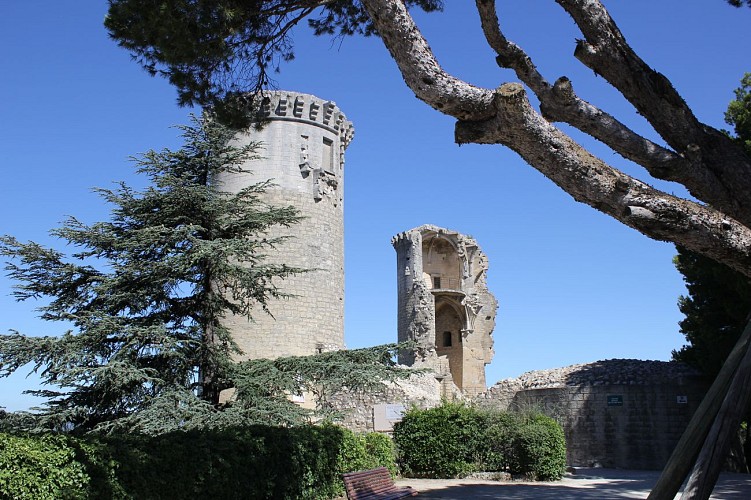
(619,413)
(444,306)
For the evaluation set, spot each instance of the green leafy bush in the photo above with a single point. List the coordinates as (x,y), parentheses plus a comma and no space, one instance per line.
(380,448)
(538,449)
(497,445)
(365,451)
(444,441)
(249,462)
(40,468)
(453,440)
(353,453)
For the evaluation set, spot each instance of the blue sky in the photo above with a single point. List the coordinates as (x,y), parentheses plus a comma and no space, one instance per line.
(573,285)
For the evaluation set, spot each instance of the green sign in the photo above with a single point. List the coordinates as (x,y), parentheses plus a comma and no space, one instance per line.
(615,400)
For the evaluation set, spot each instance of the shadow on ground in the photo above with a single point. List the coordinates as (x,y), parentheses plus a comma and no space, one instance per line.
(601,484)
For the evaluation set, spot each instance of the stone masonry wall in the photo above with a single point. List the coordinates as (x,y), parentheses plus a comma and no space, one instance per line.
(626,414)
(618,413)
(303,154)
(420,390)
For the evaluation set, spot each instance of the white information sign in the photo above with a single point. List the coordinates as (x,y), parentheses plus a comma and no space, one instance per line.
(395,412)
(386,415)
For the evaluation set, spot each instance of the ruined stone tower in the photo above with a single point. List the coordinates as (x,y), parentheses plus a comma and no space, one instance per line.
(444,306)
(302,152)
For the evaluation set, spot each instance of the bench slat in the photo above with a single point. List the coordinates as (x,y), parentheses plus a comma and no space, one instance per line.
(373,488)
(374,484)
(380,471)
(358,483)
(389,496)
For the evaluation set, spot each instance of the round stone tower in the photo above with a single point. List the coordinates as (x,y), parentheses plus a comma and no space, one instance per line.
(302,152)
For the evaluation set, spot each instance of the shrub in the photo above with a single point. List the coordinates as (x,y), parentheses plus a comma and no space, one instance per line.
(380,448)
(538,449)
(453,440)
(40,467)
(366,451)
(303,462)
(249,462)
(497,445)
(439,442)
(352,453)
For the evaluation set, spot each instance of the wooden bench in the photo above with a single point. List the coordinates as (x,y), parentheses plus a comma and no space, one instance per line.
(374,484)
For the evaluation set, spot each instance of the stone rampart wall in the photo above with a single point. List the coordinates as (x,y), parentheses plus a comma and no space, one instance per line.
(619,413)
(626,414)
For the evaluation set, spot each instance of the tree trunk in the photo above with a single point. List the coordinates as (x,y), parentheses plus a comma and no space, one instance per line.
(691,441)
(715,450)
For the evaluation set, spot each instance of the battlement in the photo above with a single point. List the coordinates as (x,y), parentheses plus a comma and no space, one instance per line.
(306,108)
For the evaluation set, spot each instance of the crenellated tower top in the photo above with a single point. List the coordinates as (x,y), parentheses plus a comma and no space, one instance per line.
(307,108)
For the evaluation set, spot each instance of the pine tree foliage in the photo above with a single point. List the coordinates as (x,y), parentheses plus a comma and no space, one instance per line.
(144,295)
(324,375)
(145,292)
(739,112)
(213,51)
(716,311)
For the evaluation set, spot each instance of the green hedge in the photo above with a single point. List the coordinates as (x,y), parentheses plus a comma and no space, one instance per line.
(54,467)
(251,462)
(366,451)
(380,448)
(453,440)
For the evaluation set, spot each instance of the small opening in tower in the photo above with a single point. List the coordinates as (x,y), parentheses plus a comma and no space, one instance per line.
(327,160)
(446,339)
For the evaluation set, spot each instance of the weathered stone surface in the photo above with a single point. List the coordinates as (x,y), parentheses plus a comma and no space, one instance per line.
(444,306)
(610,372)
(621,413)
(421,390)
(302,152)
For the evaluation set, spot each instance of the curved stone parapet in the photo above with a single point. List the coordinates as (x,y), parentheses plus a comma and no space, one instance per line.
(307,108)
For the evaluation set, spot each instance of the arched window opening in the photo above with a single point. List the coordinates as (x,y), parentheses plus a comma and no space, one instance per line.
(441,261)
(449,322)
